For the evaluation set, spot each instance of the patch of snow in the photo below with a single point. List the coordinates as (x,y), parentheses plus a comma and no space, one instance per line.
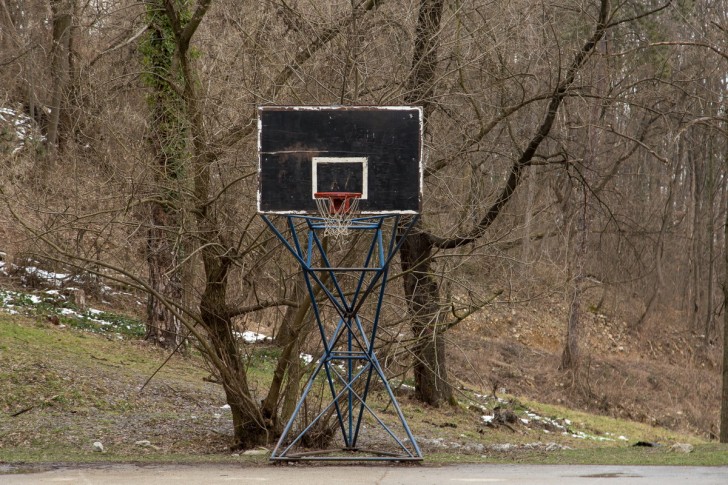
(486,418)
(253,337)
(48,276)
(586,436)
(22,125)
(88,315)
(306,358)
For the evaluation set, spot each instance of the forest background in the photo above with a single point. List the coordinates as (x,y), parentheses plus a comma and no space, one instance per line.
(575,185)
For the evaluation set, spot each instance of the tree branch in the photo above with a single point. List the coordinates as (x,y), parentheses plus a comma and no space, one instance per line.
(640,16)
(234,312)
(240,131)
(514,177)
(194,23)
(694,44)
(119,45)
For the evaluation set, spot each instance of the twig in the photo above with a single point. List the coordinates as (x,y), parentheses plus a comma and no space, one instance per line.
(165,361)
(22,411)
(25,410)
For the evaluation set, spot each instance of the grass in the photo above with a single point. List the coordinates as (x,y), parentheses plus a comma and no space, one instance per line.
(54,304)
(24,456)
(61,389)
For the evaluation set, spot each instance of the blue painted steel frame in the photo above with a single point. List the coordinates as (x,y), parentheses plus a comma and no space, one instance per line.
(359,346)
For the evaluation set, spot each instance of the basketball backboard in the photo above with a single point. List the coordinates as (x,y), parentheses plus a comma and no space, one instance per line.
(376,151)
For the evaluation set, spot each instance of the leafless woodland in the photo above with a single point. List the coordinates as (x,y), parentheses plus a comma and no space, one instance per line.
(576,155)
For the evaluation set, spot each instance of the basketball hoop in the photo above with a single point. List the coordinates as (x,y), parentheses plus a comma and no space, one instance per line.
(337,209)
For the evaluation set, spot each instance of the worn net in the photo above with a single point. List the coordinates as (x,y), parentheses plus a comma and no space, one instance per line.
(337,209)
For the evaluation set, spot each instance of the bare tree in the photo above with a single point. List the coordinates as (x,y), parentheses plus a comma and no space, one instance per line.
(416,252)
(168,139)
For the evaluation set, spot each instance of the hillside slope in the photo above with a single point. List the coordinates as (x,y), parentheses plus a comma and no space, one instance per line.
(655,376)
(64,387)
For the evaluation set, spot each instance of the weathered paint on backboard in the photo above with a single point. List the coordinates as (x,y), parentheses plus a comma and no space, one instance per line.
(373,150)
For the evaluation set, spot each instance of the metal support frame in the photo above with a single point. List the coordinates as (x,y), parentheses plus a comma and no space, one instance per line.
(349,372)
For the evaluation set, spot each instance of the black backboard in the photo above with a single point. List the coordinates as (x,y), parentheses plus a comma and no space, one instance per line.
(376,151)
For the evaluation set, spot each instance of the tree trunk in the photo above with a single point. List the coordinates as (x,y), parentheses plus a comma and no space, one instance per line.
(724,394)
(162,326)
(570,355)
(526,250)
(60,68)
(249,427)
(695,236)
(421,290)
(710,201)
(423,301)
(288,368)
(168,147)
